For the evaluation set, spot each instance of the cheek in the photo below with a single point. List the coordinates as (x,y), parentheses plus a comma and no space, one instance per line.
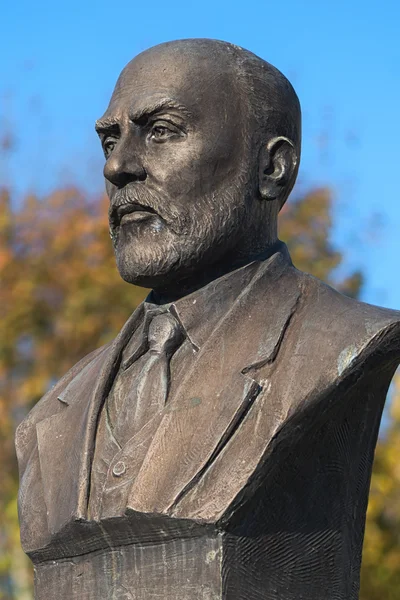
(192,166)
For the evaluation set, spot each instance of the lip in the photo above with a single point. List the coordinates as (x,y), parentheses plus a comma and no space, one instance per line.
(136,216)
(130,213)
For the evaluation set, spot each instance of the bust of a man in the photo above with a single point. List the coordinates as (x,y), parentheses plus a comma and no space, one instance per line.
(221,446)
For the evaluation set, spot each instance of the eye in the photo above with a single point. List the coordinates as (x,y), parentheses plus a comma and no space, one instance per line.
(108,146)
(163,131)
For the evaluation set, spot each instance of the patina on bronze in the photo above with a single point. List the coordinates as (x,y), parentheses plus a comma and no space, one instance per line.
(221,446)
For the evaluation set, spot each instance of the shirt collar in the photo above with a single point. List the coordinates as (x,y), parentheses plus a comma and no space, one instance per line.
(200,312)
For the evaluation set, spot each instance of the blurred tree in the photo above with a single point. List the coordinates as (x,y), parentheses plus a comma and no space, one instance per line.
(305,224)
(61,297)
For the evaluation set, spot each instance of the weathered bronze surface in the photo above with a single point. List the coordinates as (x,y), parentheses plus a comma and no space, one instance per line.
(221,446)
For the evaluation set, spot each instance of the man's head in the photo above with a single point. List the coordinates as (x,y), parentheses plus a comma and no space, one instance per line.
(202,146)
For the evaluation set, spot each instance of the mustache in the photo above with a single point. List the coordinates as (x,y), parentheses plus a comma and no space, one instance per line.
(140,198)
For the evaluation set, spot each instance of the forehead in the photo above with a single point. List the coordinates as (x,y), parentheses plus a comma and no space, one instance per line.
(202,82)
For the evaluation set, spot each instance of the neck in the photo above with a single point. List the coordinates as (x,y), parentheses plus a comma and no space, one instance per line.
(184,286)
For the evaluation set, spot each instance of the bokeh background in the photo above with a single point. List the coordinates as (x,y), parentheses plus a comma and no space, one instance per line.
(60,294)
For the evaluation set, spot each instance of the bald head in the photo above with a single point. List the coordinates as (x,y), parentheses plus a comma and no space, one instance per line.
(266,97)
(206,136)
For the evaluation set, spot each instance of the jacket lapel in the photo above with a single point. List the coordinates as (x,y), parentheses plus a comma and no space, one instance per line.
(215,396)
(66,439)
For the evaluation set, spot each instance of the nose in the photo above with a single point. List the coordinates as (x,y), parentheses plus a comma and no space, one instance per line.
(123,167)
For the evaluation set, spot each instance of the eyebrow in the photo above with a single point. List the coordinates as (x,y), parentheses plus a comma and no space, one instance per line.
(108,124)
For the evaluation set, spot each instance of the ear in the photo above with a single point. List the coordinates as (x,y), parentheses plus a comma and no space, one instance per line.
(277,165)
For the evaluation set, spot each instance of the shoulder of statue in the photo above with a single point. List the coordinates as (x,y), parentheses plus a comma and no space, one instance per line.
(355,331)
(46,406)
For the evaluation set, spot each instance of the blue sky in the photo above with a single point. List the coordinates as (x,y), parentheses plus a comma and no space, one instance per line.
(60,62)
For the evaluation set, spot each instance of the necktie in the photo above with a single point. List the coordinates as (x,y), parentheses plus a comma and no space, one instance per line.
(142,389)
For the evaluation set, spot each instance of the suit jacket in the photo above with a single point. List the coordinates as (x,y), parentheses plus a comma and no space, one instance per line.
(278,416)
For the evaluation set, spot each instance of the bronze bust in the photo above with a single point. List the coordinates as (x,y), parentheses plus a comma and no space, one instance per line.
(221,446)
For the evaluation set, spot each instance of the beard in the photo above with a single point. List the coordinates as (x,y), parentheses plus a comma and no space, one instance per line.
(177,239)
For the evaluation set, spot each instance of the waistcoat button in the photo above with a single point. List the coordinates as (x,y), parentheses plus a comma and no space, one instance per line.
(119,468)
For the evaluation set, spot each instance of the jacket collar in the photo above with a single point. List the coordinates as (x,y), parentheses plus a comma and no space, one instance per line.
(200,312)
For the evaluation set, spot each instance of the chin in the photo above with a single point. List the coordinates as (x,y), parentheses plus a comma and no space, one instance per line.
(147,267)
(160,265)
